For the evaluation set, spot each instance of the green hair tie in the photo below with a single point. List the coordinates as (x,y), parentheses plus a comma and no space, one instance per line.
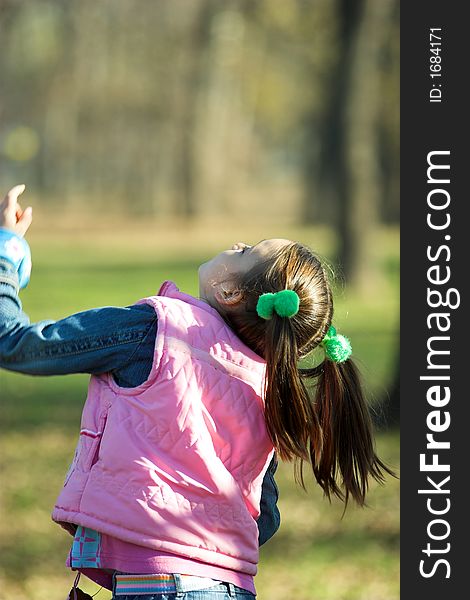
(337,347)
(284,303)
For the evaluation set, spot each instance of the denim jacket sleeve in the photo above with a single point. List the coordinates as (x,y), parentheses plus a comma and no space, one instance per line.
(108,339)
(94,341)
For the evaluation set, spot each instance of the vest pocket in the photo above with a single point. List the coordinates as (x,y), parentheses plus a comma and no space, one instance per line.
(92,443)
(87,450)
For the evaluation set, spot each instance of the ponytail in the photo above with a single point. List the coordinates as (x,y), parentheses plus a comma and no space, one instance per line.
(331,429)
(333,433)
(290,416)
(347,451)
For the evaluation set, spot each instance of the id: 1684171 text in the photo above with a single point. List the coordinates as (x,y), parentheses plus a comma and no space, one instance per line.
(435,64)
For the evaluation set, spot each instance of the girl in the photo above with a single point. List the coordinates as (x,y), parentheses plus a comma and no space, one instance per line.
(188,403)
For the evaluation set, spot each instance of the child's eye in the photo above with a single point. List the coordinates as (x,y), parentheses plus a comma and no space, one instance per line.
(240,248)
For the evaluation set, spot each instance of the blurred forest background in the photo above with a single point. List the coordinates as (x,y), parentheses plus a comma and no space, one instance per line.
(156,133)
(201,107)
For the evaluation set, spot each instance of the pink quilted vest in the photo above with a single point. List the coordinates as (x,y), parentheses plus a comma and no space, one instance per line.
(176,464)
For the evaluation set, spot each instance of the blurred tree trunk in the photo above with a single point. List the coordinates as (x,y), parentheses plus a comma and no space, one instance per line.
(225,132)
(324,167)
(194,68)
(359,214)
(348,169)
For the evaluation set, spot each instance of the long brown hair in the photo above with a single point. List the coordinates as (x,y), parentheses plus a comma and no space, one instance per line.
(332,431)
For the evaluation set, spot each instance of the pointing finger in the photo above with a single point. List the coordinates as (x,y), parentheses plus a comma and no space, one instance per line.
(13,194)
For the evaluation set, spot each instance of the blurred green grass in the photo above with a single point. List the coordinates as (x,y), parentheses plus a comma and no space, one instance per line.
(316,555)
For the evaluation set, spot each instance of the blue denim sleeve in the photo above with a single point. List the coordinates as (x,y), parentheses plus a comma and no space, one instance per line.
(270,518)
(95,341)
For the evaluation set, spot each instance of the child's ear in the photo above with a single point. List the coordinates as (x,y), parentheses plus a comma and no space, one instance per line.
(227,295)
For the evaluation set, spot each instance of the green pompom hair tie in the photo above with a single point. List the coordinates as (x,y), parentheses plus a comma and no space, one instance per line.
(284,303)
(337,347)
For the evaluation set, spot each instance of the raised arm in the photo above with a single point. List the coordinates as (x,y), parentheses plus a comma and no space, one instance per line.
(95,341)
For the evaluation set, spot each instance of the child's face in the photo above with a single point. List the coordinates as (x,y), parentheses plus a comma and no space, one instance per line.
(224,270)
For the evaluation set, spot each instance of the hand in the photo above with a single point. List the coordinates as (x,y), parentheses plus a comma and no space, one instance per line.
(11,214)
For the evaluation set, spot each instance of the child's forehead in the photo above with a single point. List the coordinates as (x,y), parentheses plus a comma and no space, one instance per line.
(271,244)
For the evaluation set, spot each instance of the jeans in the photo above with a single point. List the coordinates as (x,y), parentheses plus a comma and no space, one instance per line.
(224,591)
